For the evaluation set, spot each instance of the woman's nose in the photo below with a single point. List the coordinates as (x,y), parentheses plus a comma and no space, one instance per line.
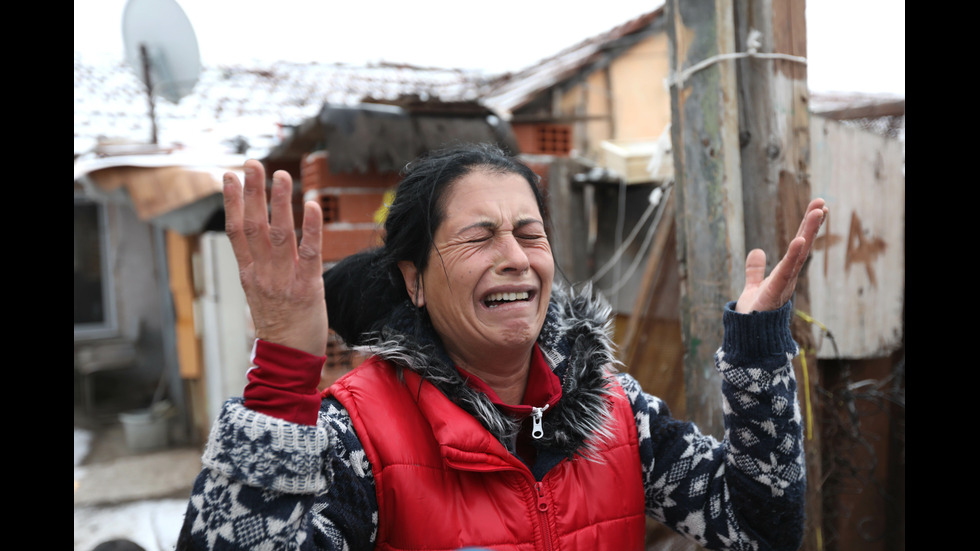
(513,257)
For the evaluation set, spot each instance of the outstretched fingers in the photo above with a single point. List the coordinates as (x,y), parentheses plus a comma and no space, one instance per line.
(282,235)
(255,223)
(234,219)
(310,251)
(800,247)
(282,281)
(815,215)
(786,272)
(769,293)
(755,267)
(784,275)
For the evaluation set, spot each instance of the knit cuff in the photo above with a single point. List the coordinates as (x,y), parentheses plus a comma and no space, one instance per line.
(759,334)
(265,452)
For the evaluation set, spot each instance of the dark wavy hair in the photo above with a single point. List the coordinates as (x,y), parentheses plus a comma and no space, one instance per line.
(363,289)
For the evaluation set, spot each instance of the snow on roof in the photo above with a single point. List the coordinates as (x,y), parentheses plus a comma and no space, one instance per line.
(254,103)
(235,104)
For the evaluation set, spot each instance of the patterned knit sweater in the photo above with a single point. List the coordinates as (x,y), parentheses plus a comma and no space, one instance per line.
(271,484)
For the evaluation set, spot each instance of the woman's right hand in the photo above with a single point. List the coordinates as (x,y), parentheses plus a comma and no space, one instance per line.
(283,282)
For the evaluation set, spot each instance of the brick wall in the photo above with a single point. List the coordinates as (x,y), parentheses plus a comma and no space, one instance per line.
(349,201)
(543,139)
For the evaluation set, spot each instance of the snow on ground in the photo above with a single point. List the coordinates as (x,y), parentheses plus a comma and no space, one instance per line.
(154,525)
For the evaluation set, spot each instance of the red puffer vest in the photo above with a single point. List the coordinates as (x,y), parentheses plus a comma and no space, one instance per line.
(444,482)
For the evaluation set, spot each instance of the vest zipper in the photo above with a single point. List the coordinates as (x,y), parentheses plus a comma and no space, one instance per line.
(536,415)
(543,510)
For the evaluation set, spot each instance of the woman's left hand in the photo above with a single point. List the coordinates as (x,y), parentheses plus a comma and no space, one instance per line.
(283,281)
(770,293)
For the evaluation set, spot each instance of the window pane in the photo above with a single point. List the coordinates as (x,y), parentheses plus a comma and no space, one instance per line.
(89,285)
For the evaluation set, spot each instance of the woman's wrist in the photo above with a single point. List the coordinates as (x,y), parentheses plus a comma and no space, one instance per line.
(283,383)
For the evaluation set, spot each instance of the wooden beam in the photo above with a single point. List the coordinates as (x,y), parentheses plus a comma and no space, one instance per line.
(710,242)
(180,250)
(871,111)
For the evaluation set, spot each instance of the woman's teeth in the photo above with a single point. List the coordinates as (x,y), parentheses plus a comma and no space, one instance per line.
(495,298)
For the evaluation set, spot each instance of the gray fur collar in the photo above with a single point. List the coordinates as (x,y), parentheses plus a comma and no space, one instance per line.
(575,340)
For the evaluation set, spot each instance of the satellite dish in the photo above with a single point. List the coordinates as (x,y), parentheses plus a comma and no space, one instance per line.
(161,29)
(161,47)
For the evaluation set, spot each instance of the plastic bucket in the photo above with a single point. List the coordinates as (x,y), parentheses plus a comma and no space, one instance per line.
(144,430)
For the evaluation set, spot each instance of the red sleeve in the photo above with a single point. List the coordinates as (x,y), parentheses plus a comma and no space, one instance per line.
(283,382)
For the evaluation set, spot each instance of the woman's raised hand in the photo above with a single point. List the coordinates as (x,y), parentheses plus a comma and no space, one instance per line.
(770,293)
(283,282)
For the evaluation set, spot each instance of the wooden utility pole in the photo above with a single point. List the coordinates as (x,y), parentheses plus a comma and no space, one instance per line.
(710,243)
(774,122)
(741,157)
(774,130)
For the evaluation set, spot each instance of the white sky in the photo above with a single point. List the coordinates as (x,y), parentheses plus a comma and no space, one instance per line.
(854,45)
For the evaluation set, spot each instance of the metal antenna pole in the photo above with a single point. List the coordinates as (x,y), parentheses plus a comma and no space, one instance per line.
(147,80)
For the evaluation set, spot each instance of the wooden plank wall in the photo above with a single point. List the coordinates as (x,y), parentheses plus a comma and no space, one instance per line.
(857,273)
(624,100)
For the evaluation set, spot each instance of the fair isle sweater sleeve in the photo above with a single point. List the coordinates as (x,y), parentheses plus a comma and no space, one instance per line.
(747,491)
(272,484)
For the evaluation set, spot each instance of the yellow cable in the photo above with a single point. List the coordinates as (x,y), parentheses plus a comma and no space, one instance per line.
(806,394)
(806,375)
(809,319)
(809,408)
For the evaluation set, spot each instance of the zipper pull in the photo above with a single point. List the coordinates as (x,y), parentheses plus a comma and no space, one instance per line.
(542,500)
(536,414)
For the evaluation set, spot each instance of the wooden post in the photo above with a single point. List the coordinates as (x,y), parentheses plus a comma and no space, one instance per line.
(774,130)
(571,230)
(774,124)
(743,183)
(710,241)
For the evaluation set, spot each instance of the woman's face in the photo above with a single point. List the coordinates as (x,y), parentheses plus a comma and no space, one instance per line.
(489,275)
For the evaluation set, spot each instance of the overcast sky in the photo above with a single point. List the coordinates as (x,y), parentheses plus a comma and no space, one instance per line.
(853,45)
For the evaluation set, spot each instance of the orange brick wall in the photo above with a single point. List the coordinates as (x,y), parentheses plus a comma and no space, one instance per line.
(340,243)
(358,207)
(544,139)
(349,201)
(315,174)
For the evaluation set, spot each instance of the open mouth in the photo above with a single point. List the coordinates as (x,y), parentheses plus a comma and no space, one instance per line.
(496,299)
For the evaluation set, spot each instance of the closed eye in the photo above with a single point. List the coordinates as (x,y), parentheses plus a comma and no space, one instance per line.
(530,237)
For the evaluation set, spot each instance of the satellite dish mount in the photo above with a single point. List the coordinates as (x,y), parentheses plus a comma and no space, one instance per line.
(161,47)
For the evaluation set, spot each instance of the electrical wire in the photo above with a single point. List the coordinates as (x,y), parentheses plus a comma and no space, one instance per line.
(644,247)
(754,43)
(629,240)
